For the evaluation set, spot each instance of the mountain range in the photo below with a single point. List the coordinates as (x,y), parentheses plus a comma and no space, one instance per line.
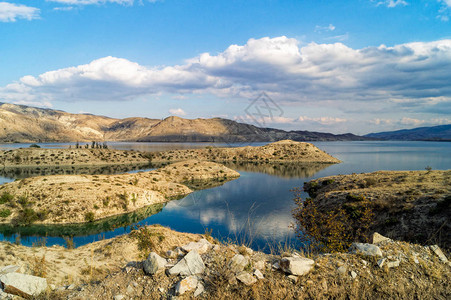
(434,133)
(20,123)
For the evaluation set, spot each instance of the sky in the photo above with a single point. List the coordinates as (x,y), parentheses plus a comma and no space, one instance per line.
(337,66)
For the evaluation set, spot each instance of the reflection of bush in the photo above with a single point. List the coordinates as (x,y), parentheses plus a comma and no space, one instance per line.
(95,227)
(286,170)
(331,229)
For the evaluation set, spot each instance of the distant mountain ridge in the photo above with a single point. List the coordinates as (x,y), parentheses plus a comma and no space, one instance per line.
(20,123)
(434,133)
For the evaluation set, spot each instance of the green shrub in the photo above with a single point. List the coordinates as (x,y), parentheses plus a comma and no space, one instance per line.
(35,146)
(6,198)
(89,217)
(4,213)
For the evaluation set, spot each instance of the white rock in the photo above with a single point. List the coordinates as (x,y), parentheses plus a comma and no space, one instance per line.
(191,264)
(381,262)
(154,264)
(23,285)
(365,249)
(293,278)
(9,269)
(187,284)
(276,265)
(436,249)
(119,297)
(379,238)
(201,246)
(260,265)
(342,270)
(245,250)
(246,278)
(393,264)
(258,274)
(238,263)
(171,254)
(353,274)
(199,290)
(296,265)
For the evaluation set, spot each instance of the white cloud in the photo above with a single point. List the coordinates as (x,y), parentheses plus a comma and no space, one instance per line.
(177,112)
(446,2)
(324,28)
(96,2)
(414,76)
(393,3)
(322,120)
(10,12)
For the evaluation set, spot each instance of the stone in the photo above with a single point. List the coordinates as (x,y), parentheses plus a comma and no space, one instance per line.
(5,296)
(379,238)
(381,262)
(296,265)
(415,260)
(393,264)
(187,284)
(9,269)
(191,264)
(293,278)
(365,249)
(246,278)
(353,274)
(258,274)
(436,249)
(342,270)
(202,246)
(245,250)
(276,265)
(130,289)
(238,263)
(52,287)
(23,285)
(199,290)
(216,248)
(260,265)
(70,287)
(119,297)
(171,254)
(154,264)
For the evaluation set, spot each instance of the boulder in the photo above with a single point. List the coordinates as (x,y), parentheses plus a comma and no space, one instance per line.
(191,264)
(187,284)
(365,249)
(199,290)
(26,286)
(246,278)
(202,246)
(379,238)
(9,269)
(258,274)
(296,265)
(154,264)
(238,263)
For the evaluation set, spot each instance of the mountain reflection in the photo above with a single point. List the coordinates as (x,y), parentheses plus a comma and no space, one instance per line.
(285,169)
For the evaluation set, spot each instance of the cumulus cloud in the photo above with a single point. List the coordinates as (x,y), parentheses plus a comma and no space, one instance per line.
(414,76)
(10,12)
(177,112)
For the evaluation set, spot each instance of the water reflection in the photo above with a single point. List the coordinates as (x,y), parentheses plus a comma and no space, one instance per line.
(280,169)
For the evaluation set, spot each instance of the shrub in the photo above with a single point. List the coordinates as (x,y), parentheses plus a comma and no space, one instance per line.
(4,213)
(89,216)
(35,146)
(6,198)
(146,239)
(26,217)
(331,229)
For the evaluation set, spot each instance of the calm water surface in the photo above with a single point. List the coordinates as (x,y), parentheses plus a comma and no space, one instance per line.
(255,208)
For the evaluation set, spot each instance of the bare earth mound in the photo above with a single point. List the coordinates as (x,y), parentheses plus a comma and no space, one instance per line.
(282,151)
(27,157)
(407,205)
(63,199)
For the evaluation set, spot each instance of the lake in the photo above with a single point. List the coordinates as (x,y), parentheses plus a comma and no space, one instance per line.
(255,208)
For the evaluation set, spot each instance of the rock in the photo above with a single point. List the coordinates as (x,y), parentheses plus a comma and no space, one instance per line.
(23,285)
(179,251)
(293,278)
(119,297)
(191,264)
(246,278)
(436,249)
(342,270)
(276,265)
(216,248)
(201,246)
(379,238)
(365,249)
(238,263)
(353,274)
(258,274)
(199,290)
(296,265)
(5,296)
(245,250)
(130,289)
(260,265)
(171,254)
(9,269)
(70,287)
(393,264)
(381,262)
(187,284)
(154,264)
(52,287)
(415,260)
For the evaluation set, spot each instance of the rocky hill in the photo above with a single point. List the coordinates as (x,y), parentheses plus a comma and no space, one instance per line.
(19,123)
(435,133)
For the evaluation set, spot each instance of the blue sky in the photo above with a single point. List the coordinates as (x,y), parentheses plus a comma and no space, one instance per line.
(339,66)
